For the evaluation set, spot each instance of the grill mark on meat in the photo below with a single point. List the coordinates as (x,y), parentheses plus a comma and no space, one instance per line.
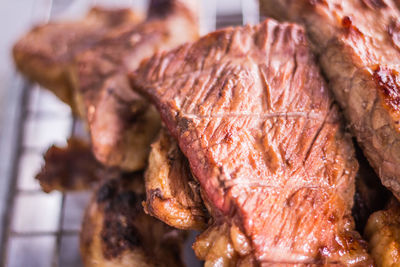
(374,3)
(312,116)
(394,32)
(267,104)
(317,134)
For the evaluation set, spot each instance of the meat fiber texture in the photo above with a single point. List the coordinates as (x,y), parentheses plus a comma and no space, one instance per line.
(121,123)
(358,43)
(263,138)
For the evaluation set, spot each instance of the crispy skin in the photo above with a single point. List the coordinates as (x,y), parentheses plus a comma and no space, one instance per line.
(383,233)
(121,123)
(358,42)
(171,193)
(45,53)
(116,231)
(71,168)
(253,116)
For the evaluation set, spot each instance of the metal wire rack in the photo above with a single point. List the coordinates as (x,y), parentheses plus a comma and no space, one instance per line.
(40,229)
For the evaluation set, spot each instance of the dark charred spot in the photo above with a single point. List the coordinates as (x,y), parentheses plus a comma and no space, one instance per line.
(388,82)
(156,193)
(228,138)
(106,192)
(184,124)
(349,27)
(118,236)
(120,211)
(346,22)
(160,8)
(394,32)
(333,218)
(374,4)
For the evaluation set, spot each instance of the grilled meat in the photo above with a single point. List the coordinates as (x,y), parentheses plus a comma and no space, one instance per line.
(358,45)
(123,125)
(253,116)
(71,168)
(172,195)
(116,231)
(383,233)
(45,53)
(88,69)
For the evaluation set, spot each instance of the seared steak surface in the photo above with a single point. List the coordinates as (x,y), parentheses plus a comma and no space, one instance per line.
(359,46)
(252,114)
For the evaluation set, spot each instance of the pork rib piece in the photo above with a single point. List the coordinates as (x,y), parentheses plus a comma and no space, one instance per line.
(358,43)
(45,53)
(116,231)
(121,123)
(252,114)
(172,195)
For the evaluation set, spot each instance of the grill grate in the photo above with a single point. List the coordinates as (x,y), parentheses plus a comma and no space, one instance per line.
(42,230)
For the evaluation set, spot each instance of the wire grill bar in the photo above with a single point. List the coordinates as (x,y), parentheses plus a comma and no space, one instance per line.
(42,229)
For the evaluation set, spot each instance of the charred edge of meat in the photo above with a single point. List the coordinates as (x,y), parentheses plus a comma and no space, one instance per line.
(163,8)
(70,168)
(121,208)
(374,4)
(160,8)
(389,81)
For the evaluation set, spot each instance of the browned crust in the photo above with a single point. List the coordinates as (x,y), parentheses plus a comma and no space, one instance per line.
(358,44)
(172,194)
(71,168)
(383,233)
(116,231)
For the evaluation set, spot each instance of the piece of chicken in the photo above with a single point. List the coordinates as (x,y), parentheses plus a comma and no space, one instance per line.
(117,232)
(173,195)
(45,53)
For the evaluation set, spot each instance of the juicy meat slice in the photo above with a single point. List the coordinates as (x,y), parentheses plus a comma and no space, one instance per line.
(45,53)
(252,114)
(383,234)
(122,124)
(358,42)
(71,168)
(172,195)
(117,232)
